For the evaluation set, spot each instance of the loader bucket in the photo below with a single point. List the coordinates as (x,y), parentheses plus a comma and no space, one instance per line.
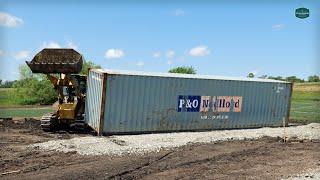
(65,61)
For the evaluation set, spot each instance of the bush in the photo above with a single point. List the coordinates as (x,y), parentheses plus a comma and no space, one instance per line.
(314,78)
(35,91)
(183,70)
(87,65)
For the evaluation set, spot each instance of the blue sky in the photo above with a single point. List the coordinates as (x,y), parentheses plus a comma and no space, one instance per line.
(217,38)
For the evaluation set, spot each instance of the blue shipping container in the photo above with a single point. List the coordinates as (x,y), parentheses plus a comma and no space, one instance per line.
(139,102)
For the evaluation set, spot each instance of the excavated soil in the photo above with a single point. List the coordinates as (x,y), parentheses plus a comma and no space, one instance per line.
(266,158)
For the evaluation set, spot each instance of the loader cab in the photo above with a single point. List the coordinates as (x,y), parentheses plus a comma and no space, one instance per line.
(82,82)
(68,94)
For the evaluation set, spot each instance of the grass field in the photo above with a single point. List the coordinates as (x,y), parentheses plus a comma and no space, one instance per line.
(305,104)
(9,106)
(24,112)
(7,98)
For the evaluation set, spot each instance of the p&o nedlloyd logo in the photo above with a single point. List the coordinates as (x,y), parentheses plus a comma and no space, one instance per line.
(209,103)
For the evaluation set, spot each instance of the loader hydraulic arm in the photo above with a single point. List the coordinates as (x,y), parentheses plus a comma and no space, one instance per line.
(53,80)
(64,80)
(59,83)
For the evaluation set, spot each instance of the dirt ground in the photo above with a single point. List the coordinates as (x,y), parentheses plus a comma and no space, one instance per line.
(268,158)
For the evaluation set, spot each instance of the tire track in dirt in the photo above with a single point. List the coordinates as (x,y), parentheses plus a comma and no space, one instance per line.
(124,173)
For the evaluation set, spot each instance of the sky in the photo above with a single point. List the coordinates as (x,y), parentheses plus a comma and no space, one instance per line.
(228,38)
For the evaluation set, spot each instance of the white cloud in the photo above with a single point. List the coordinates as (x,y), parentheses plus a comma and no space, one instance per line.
(156,54)
(71,45)
(140,63)
(21,55)
(169,62)
(199,51)
(170,54)
(114,53)
(178,12)
(278,27)
(56,45)
(1,53)
(9,20)
(50,44)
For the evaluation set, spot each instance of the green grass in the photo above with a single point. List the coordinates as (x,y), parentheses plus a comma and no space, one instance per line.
(24,112)
(305,103)
(9,106)
(7,97)
(306,96)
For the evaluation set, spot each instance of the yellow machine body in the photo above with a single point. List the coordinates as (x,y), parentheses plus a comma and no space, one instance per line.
(69,105)
(67,111)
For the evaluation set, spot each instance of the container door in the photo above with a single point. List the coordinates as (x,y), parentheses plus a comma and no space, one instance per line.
(94,100)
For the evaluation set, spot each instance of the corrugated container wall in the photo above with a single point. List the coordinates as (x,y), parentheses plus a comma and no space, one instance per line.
(138,102)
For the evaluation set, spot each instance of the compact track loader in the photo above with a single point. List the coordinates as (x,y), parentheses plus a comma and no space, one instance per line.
(62,67)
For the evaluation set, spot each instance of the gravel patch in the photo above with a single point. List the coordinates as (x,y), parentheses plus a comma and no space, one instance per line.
(140,144)
(311,174)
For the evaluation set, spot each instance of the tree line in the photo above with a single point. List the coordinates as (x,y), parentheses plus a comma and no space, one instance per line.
(313,78)
(293,79)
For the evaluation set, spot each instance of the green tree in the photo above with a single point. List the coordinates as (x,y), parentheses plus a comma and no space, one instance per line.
(33,88)
(183,70)
(34,91)
(293,79)
(25,72)
(314,78)
(7,84)
(88,64)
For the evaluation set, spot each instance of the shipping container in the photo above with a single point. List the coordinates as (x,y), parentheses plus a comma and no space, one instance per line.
(130,102)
